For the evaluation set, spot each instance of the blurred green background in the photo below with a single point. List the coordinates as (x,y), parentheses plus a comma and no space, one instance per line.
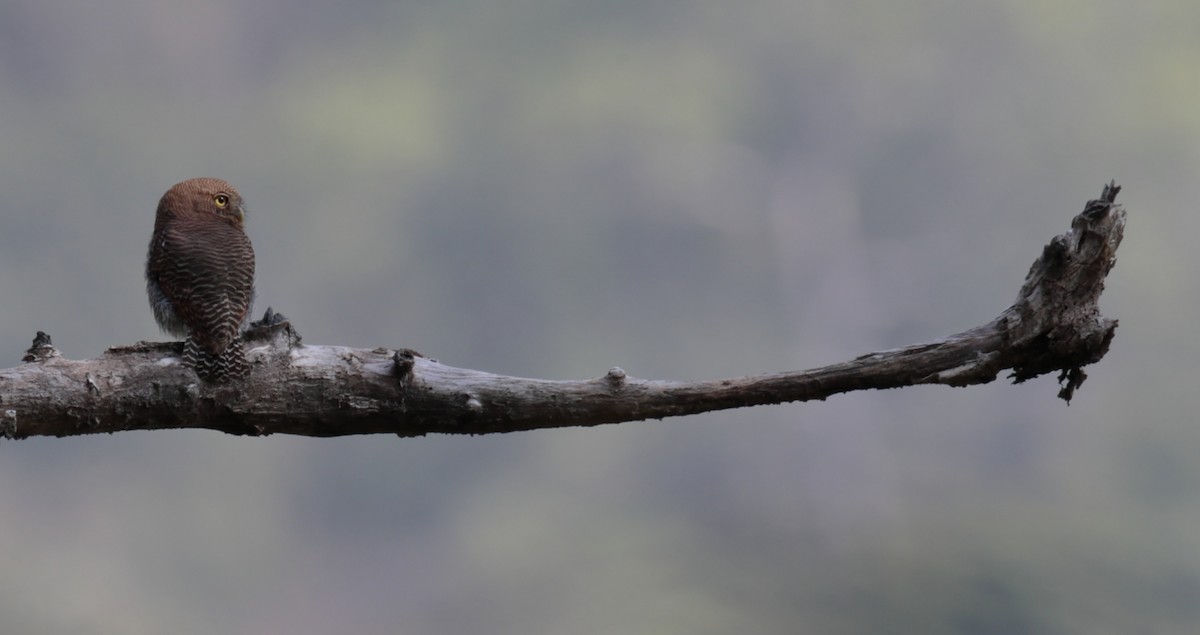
(686,189)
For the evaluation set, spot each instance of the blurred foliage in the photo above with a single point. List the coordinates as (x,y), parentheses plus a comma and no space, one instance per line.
(551,188)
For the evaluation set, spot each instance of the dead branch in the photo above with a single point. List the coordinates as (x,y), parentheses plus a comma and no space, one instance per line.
(1054,325)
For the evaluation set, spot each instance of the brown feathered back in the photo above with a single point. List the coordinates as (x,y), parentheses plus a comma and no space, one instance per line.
(200,274)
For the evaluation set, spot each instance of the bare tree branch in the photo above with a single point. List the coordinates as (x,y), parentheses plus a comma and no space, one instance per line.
(1054,325)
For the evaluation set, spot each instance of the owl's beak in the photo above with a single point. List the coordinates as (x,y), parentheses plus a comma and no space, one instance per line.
(241,214)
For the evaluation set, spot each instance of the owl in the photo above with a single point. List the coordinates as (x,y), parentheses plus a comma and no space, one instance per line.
(200,275)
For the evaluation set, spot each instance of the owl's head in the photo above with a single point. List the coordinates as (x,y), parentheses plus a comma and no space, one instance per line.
(203,196)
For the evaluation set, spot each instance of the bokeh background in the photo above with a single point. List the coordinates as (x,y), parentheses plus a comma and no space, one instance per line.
(548,188)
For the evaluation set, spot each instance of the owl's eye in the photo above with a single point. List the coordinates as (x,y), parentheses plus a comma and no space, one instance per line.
(222,200)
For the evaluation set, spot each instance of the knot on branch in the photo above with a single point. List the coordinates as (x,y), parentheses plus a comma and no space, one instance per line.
(41,350)
(274,328)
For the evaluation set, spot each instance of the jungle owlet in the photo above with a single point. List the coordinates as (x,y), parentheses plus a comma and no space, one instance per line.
(200,275)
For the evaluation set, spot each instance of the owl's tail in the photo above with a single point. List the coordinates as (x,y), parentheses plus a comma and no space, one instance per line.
(228,366)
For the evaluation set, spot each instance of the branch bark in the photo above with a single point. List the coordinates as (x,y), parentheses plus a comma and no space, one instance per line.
(1054,325)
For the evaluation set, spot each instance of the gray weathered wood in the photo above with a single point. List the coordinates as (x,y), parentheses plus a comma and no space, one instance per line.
(1054,325)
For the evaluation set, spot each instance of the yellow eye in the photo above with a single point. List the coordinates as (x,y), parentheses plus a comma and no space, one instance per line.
(221,200)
